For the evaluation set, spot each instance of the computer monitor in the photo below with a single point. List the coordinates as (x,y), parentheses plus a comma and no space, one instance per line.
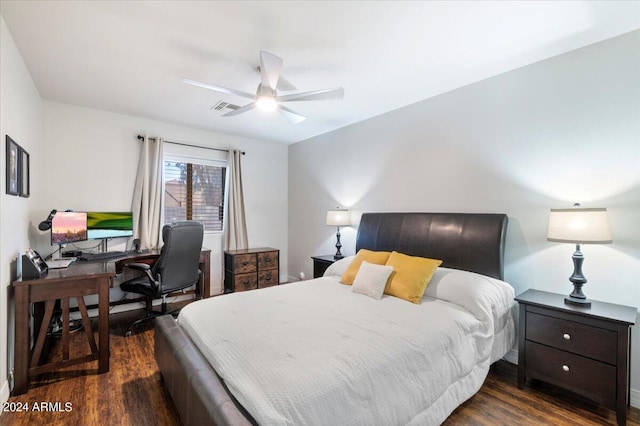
(68,227)
(101,225)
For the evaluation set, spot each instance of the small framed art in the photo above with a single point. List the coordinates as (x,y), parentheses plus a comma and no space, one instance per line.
(13,165)
(24,170)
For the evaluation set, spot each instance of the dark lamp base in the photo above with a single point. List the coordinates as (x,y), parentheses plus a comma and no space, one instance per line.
(585,303)
(577,297)
(338,257)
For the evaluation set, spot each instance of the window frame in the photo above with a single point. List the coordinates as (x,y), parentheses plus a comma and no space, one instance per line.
(199,160)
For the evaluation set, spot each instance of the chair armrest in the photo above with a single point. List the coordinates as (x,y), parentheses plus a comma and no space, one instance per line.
(143,267)
(138,266)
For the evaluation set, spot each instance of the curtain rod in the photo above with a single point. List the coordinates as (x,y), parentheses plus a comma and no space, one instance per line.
(140,137)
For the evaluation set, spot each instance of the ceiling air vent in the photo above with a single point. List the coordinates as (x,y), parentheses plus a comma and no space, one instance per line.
(222,105)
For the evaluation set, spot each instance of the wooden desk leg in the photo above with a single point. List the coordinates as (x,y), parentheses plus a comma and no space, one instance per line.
(204,286)
(103,325)
(65,328)
(21,350)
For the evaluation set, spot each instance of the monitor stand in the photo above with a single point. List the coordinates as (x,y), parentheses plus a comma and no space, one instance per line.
(59,251)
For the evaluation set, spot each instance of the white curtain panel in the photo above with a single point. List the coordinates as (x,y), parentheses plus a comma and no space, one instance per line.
(147,194)
(236,225)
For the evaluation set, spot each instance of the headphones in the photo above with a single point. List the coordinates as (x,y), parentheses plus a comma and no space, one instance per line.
(45,225)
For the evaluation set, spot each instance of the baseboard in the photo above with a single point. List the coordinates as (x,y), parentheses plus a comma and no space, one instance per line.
(634,395)
(4,394)
(511,356)
(131,306)
(634,398)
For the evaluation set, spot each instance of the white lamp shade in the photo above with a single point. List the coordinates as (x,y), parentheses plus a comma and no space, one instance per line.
(579,226)
(338,217)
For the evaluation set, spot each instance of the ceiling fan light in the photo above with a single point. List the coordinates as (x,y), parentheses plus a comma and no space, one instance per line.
(266,103)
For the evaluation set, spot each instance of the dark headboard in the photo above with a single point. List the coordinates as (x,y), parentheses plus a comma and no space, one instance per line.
(468,241)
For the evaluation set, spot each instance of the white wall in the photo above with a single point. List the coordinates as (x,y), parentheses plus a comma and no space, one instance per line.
(20,118)
(91,165)
(560,131)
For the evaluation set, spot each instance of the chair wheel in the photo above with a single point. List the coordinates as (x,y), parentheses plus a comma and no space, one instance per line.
(127,333)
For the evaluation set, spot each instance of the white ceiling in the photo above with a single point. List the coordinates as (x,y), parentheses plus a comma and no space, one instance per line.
(129,57)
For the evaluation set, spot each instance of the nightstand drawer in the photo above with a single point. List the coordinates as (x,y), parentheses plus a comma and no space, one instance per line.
(244,263)
(245,282)
(268,260)
(571,336)
(268,278)
(592,379)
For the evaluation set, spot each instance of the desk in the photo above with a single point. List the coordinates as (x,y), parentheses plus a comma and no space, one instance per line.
(78,280)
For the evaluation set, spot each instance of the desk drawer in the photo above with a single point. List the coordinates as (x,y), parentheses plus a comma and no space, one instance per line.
(268,278)
(592,379)
(243,263)
(581,339)
(245,282)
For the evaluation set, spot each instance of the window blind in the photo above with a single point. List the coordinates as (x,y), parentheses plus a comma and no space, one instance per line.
(194,191)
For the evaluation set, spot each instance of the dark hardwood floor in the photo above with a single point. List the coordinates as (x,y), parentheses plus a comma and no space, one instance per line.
(132,393)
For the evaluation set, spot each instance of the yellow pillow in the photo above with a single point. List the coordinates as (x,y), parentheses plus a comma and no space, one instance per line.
(375,257)
(410,277)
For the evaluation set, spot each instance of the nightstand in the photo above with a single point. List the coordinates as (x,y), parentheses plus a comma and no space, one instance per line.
(321,263)
(584,350)
(249,269)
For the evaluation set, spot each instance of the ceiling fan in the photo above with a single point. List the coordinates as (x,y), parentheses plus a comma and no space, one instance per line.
(266,96)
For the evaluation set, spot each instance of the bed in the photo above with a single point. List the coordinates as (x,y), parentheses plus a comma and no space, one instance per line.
(315,352)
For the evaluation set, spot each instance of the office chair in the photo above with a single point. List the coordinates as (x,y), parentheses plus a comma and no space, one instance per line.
(175,269)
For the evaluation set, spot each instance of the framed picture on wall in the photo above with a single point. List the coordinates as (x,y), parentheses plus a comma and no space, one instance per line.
(12,164)
(24,173)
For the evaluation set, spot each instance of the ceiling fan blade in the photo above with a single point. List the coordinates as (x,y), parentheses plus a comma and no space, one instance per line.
(293,117)
(285,85)
(270,67)
(315,95)
(219,88)
(247,107)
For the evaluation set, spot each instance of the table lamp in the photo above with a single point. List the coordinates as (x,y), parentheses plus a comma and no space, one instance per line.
(338,217)
(578,226)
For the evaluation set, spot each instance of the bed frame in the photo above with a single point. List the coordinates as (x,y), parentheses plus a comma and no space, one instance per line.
(468,241)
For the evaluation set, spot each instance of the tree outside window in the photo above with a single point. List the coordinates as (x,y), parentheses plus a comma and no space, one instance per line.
(194,192)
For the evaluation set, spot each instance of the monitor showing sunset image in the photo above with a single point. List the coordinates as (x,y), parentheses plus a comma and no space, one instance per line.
(68,227)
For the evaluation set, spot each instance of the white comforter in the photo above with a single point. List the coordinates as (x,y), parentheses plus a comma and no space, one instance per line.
(315,353)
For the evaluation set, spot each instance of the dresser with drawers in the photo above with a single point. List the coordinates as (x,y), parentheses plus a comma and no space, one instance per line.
(250,269)
(584,350)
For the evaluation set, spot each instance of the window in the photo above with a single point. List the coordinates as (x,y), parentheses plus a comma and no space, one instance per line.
(194,190)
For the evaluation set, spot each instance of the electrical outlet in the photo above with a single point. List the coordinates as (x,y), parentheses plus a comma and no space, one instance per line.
(11,379)
(301,276)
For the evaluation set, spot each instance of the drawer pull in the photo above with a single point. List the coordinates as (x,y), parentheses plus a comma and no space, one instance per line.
(245,282)
(245,263)
(565,368)
(567,336)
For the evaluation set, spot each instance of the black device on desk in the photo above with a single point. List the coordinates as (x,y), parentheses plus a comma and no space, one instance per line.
(33,265)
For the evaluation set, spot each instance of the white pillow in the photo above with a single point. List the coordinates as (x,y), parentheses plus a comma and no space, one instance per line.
(371,279)
(338,267)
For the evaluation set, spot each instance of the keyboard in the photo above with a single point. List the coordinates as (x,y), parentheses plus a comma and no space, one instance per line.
(101,256)
(59,264)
